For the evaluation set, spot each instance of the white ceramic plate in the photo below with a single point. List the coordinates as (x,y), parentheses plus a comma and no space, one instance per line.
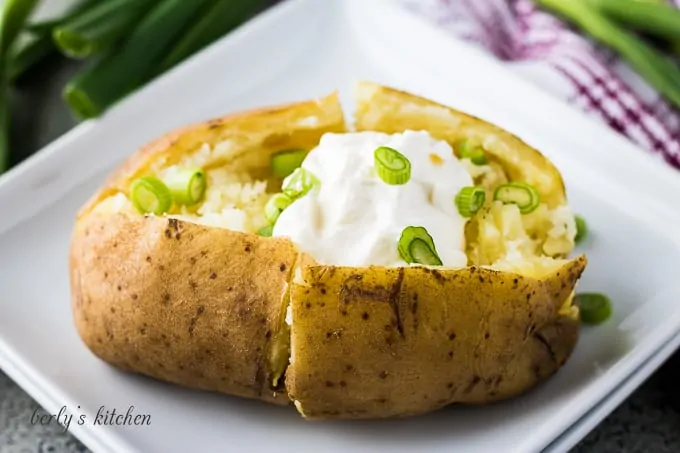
(298,50)
(598,413)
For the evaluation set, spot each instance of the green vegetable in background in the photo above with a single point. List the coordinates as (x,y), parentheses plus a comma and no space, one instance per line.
(35,42)
(28,50)
(650,63)
(12,19)
(131,64)
(657,18)
(99,27)
(221,17)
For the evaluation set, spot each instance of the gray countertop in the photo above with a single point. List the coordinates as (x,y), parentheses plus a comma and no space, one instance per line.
(649,421)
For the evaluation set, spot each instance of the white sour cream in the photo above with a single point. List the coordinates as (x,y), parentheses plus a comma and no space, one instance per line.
(355,219)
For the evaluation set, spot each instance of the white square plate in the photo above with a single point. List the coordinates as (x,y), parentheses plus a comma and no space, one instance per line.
(581,428)
(298,50)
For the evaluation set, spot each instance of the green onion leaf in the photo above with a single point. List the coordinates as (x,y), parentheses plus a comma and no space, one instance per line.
(298,183)
(648,61)
(595,308)
(470,200)
(581,229)
(99,27)
(13,16)
(218,19)
(417,246)
(187,185)
(519,193)
(392,166)
(284,163)
(130,64)
(275,206)
(474,153)
(266,231)
(26,52)
(150,195)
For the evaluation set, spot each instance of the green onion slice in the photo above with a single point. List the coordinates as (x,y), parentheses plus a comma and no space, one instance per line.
(284,163)
(187,185)
(150,195)
(266,231)
(519,193)
(474,153)
(581,229)
(595,308)
(392,166)
(417,246)
(298,183)
(275,206)
(469,200)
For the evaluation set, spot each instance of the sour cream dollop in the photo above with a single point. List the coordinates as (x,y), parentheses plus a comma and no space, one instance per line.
(354,218)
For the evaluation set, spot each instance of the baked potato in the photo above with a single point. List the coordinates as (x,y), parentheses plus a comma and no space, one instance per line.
(285,286)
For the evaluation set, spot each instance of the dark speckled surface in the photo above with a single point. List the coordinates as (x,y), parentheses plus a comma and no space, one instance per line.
(648,422)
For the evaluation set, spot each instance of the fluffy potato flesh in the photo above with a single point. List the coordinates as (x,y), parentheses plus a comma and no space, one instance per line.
(196,298)
(383,342)
(193,297)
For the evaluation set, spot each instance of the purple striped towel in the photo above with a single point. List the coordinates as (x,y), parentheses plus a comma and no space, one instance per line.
(543,49)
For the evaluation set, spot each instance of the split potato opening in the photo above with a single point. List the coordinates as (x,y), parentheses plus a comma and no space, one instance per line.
(339,341)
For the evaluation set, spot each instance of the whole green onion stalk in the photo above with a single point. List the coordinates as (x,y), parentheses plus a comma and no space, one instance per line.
(647,61)
(12,19)
(99,27)
(35,41)
(133,62)
(655,17)
(218,19)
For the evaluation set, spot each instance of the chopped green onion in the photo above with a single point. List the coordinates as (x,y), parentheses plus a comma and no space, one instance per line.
(417,246)
(284,163)
(275,206)
(298,183)
(266,231)
(474,153)
(595,308)
(469,200)
(187,185)
(520,193)
(392,166)
(581,229)
(150,195)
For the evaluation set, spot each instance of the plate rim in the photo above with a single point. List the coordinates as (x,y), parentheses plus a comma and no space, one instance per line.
(60,143)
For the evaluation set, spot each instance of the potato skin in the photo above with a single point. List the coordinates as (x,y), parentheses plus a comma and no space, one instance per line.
(395,342)
(253,134)
(202,307)
(385,109)
(181,302)
(197,306)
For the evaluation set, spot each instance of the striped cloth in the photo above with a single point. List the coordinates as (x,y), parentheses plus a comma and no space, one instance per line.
(543,49)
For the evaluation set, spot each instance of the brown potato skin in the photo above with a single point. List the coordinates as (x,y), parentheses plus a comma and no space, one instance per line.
(385,109)
(181,302)
(256,134)
(203,307)
(395,342)
(188,304)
